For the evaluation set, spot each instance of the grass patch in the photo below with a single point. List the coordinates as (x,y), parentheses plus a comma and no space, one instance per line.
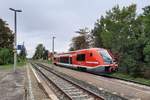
(45,61)
(10,66)
(130,78)
(49,62)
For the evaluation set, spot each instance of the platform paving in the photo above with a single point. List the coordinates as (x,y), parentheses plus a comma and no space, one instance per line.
(12,84)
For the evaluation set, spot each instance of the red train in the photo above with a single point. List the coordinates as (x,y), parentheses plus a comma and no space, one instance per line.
(93,60)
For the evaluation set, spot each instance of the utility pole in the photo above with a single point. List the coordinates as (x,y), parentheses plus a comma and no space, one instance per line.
(15,36)
(53,48)
(53,44)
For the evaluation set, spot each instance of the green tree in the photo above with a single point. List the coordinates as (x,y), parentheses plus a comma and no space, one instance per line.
(23,53)
(6,43)
(6,56)
(81,41)
(40,49)
(121,31)
(45,55)
(146,24)
(6,36)
(146,50)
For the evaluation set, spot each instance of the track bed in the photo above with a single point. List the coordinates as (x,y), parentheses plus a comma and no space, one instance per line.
(65,88)
(125,89)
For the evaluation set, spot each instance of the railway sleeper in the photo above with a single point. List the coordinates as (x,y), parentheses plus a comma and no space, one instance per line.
(75,90)
(61,82)
(81,97)
(78,95)
(68,90)
(72,93)
(64,85)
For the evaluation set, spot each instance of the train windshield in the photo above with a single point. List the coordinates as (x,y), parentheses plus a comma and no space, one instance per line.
(106,56)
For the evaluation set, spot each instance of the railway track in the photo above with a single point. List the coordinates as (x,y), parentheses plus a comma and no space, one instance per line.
(113,77)
(65,88)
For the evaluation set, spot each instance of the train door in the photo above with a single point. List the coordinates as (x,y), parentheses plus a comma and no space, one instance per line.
(70,60)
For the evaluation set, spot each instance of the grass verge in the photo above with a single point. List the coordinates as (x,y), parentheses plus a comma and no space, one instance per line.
(49,62)
(130,78)
(10,66)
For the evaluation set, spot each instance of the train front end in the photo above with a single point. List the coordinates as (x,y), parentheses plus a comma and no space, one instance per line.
(107,61)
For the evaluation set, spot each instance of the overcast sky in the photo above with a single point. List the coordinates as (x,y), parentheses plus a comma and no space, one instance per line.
(41,19)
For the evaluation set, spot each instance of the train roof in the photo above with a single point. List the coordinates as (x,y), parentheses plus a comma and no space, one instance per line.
(72,52)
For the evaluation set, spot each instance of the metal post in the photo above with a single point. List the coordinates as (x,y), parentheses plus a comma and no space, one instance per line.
(53,47)
(15,42)
(15,36)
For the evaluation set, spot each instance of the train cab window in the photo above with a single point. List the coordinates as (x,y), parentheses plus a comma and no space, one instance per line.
(80,57)
(106,56)
(91,54)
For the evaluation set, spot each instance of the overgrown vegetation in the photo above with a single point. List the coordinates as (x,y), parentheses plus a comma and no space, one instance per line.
(130,78)
(81,41)
(6,56)
(6,45)
(10,66)
(40,53)
(126,34)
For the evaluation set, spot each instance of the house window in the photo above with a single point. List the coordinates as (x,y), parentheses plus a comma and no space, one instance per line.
(80,57)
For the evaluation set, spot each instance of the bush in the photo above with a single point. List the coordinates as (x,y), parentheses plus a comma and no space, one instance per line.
(6,56)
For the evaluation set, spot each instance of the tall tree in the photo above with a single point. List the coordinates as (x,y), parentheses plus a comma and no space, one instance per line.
(81,41)
(120,30)
(40,49)
(6,36)
(146,51)
(23,53)
(6,43)
(146,24)
(45,55)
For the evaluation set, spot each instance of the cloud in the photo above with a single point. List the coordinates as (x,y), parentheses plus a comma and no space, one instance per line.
(41,19)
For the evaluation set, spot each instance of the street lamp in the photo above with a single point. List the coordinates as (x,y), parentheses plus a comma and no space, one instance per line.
(15,35)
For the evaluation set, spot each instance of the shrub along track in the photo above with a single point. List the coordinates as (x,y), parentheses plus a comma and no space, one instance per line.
(123,79)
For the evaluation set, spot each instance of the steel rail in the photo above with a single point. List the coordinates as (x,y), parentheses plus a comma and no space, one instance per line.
(50,81)
(87,91)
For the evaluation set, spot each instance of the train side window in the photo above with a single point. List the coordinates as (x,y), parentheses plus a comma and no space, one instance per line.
(80,57)
(64,59)
(91,54)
